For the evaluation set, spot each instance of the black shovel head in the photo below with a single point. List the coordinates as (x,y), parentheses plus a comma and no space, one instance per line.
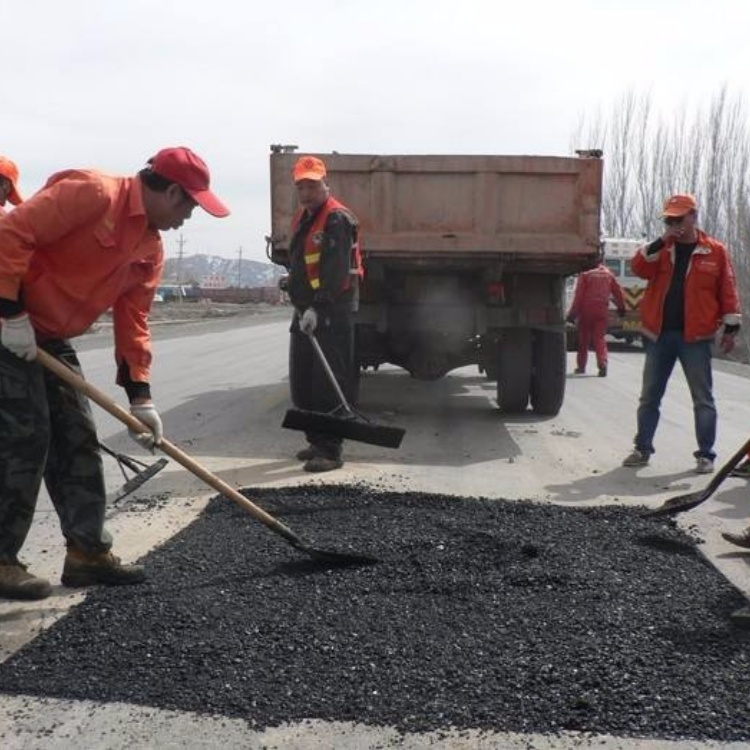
(347,427)
(678,504)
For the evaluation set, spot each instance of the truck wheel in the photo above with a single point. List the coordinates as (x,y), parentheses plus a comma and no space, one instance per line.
(514,370)
(548,379)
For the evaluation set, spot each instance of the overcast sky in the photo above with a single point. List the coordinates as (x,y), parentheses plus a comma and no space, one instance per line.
(94,83)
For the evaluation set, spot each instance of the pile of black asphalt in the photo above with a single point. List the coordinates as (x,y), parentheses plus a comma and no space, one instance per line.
(489,614)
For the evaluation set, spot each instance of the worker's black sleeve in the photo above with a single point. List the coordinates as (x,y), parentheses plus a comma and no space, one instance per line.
(335,260)
(11,307)
(133,388)
(655,246)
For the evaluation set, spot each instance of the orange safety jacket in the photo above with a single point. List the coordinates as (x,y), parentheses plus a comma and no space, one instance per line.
(594,289)
(314,243)
(711,295)
(77,248)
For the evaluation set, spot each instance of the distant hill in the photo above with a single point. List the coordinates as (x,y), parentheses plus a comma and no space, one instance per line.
(193,268)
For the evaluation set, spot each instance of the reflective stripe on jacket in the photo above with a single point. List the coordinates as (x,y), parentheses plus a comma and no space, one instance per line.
(711,295)
(79,247)
(314,243)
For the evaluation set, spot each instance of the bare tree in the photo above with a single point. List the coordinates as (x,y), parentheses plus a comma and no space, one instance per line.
(704,150)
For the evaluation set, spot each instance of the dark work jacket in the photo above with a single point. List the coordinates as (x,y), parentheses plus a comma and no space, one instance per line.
(335,293)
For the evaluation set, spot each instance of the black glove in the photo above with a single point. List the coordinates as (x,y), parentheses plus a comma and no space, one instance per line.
(570,319)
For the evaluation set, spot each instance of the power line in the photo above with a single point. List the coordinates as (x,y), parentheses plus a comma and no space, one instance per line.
(181,242)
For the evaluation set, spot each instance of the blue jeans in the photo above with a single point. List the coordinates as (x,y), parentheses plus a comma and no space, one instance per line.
(695,359)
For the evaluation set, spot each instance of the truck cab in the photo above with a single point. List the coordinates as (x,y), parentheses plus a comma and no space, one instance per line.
(618,256)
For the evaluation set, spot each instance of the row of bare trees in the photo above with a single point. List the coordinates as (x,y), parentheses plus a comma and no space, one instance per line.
(702,149)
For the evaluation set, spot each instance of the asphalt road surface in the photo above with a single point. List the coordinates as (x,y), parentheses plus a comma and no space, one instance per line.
(222,390)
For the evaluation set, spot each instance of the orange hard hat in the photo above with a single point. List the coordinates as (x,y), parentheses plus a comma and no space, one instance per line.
(9,170)
(309,168)
(679,205)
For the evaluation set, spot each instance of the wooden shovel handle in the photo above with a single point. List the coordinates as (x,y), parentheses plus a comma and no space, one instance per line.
(123,415)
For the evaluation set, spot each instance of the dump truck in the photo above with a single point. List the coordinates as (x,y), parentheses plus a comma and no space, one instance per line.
(465,257)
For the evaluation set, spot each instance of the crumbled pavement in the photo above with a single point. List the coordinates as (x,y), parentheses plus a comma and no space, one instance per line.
(480,614)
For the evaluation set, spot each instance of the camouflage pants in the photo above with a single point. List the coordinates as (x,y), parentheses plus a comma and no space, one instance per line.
(47,432)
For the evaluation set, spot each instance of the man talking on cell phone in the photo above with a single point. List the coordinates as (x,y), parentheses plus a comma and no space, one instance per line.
(691,295)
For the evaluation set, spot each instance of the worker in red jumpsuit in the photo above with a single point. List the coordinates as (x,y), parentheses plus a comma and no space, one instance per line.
(590,309)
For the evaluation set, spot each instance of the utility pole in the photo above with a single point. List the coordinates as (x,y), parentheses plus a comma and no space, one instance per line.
(181,242)
(239,269)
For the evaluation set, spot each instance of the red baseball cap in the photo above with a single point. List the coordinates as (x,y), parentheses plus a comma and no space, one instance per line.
(9,170)
(189,171)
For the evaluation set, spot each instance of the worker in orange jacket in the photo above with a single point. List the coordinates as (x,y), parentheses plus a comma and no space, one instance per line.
(594,289)
(86,243)
(691,295)
(8,184)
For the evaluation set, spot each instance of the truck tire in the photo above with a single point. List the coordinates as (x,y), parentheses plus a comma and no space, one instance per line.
(548,378)
(514,370)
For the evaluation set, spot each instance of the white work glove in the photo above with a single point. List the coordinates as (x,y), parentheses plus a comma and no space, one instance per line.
(309,321)
(150,417)
(17,335)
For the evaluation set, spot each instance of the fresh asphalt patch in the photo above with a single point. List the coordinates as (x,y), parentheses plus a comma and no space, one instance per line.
(485,614)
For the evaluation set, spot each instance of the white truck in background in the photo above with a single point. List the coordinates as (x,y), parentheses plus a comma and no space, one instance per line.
(465,260)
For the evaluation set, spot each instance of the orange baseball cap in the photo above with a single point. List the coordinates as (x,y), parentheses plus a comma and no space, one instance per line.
(679,205)
(309,168)
(190,172)
(9,170)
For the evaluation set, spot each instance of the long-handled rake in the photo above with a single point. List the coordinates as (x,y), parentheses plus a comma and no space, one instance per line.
(141,472)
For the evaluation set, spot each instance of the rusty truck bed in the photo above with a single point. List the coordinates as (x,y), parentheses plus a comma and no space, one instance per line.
(527,210)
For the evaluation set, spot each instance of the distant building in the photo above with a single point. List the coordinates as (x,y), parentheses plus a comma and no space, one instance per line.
(214,281)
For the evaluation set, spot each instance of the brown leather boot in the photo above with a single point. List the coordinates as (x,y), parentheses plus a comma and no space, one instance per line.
(17,583)
(89,568)
(741,540)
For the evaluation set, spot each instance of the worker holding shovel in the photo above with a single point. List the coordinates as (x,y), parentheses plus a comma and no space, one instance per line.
(325,268)
(87,242)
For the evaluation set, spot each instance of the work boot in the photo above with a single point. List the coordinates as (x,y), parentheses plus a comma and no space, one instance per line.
(579,371)
(323,463)
(17,583)
(307,453)
(89,568)
(636,458)
(741,540)
(603,371)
